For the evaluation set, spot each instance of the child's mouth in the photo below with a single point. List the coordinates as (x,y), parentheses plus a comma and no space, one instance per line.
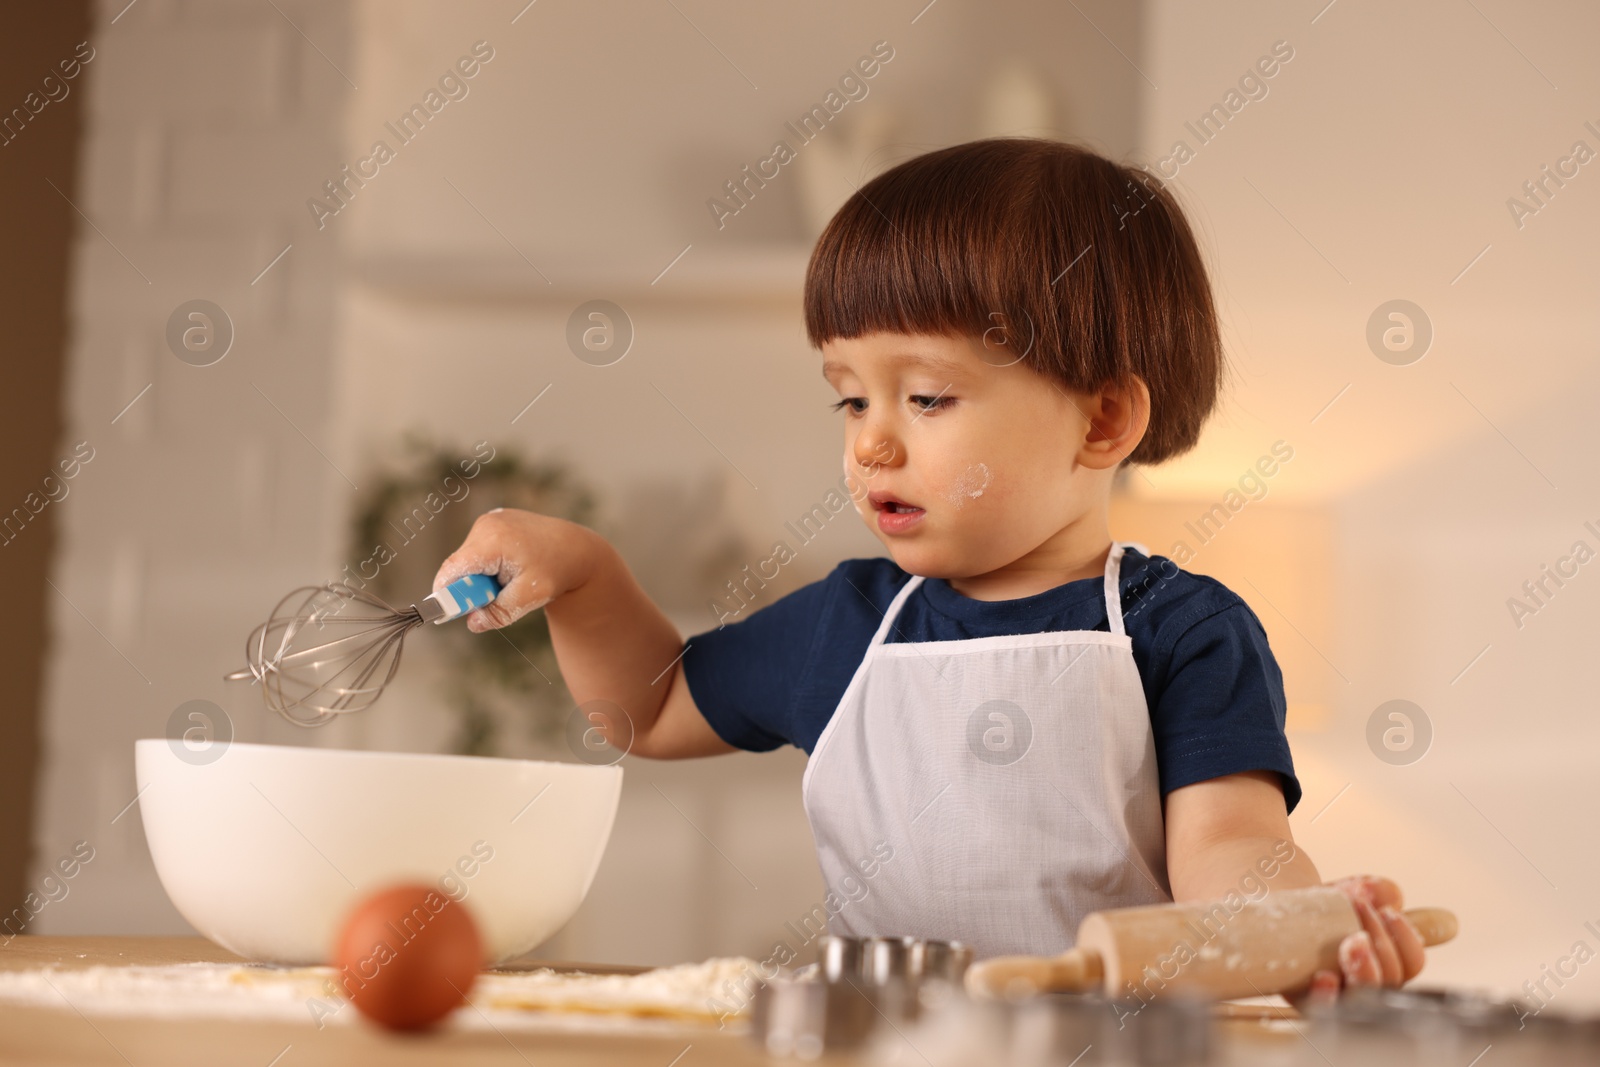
(894,515)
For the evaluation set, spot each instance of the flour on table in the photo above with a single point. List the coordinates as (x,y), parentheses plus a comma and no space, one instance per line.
(691,993)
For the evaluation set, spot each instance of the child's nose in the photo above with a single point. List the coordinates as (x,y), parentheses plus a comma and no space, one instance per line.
(876,447)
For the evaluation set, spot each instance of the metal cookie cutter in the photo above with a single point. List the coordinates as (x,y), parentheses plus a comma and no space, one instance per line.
(880,960)
(804,1017)
(856,984)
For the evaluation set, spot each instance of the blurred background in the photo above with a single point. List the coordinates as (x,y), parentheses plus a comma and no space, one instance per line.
(1401,225)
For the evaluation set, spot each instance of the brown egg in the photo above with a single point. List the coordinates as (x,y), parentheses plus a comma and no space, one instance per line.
(407,956)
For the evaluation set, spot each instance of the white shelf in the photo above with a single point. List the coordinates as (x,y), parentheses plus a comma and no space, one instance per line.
(706,273)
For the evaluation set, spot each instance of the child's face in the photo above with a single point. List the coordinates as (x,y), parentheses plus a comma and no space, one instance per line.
(983,449)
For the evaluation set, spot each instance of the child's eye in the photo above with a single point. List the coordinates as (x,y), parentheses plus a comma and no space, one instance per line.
(923,403)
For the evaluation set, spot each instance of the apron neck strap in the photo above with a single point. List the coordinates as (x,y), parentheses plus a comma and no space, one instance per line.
(1114,587)
(894,609)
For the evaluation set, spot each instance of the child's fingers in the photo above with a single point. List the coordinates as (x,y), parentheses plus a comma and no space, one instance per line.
(497,612)
(1324,989)
(519,596)
(483,552)
(1383,891)
(489,617)
(464,563)
(1358,961)
(1374,888)
(1383,947)
(1407,941)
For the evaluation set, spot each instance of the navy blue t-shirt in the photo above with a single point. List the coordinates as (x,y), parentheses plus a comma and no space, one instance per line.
(1212,685)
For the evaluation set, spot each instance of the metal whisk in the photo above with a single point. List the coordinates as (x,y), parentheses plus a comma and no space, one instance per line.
(311,677)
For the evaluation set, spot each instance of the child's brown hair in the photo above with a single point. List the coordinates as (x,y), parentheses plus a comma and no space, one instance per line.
(1083,268)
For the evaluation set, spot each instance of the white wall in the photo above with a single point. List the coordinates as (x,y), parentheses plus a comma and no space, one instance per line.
(203,503)
(1389,145)
(1493,820)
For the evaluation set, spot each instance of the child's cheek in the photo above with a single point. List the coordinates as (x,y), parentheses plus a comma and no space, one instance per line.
(969,485)
(858,490)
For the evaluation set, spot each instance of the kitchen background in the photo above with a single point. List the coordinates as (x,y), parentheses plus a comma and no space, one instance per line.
(1442,449)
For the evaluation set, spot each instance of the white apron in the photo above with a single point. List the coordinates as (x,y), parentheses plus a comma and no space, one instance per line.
(1013,778)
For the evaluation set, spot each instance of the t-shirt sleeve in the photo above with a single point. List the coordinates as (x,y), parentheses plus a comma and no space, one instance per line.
(1222,709)
(743,675)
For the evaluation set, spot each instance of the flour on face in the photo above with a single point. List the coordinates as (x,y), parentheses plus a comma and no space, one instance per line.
(973,481)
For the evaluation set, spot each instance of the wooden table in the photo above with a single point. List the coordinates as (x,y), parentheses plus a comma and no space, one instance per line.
(45,1036)
(48,1036)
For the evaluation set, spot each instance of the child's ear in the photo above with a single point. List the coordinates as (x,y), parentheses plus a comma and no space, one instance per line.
(1118,414)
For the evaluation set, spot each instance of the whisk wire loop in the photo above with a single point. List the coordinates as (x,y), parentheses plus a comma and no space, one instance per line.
(310,680)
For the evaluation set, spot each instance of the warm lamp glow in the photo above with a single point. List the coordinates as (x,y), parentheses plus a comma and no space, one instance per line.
(1277,557)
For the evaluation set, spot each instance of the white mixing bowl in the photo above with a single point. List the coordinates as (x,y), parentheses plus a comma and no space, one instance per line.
(266,849)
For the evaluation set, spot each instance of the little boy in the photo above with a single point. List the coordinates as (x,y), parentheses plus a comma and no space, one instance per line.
(1030,720)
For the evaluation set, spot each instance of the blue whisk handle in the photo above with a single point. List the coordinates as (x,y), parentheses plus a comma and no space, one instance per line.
(459,597)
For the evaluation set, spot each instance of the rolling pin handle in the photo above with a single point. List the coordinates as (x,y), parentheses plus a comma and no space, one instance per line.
(1074,971)
(1436,925)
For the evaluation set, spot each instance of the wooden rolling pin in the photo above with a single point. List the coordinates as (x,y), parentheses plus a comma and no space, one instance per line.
(1273,945)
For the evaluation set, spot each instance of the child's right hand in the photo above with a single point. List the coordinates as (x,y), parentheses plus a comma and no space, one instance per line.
(611,641)
(535,558)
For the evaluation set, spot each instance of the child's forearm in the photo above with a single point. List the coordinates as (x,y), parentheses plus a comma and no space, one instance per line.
(612,641)
(1229,833)
(1242,865)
